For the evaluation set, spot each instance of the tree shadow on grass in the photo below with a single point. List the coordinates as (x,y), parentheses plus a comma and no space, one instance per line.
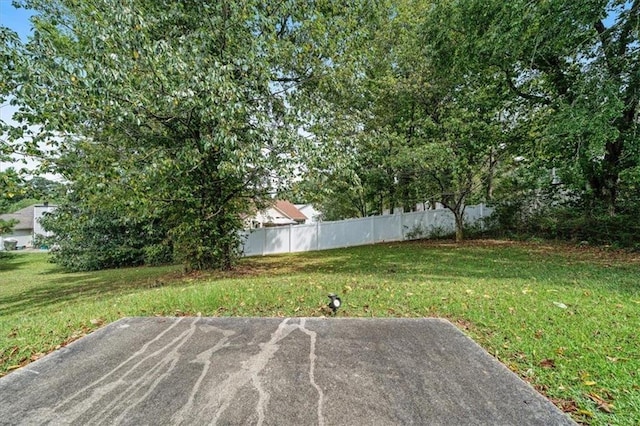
(10,261)
(553,264)
(398,261)
(80,286)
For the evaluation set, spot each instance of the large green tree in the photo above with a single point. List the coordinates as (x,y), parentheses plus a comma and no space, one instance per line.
(573,70)
(173,107)
(416,134)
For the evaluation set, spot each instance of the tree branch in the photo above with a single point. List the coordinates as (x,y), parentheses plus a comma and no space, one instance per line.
(536,98)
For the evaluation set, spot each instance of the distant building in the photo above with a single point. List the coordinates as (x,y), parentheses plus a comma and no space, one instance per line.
(282,213)
(310,212)
(28,225)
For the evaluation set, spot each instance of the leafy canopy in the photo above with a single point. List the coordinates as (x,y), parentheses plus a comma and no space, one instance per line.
(171,110)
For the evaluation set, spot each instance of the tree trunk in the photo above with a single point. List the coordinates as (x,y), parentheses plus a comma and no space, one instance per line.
(459,215)
(492,165)
(605,180)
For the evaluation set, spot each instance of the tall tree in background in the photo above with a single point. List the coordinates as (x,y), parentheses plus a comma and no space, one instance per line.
(573,69)
(416,134)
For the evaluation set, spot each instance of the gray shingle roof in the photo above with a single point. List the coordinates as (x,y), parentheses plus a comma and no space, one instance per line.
(24,217)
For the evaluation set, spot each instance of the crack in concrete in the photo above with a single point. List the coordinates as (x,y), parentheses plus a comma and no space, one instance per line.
(76,410)
(312,367)
(139,352)
(168,356)
(149,380)
(203,358)
(250,370)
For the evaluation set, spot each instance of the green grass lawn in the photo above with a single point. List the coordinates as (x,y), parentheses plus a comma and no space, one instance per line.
(564,318)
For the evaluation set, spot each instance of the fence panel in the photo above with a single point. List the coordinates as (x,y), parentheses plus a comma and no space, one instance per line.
(354,232)
(418,224)
(344,233)
(443,222)
(304,237)
(387,228)
(277,240)
(253,242)
(472,214)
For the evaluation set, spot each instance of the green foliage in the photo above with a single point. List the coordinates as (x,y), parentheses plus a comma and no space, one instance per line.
(171,107)
(157,254)
(11,189)
(217,246)
(6,226)
(197,113)
(19,205)
(17,192)
(417,134)
(86,239)
(338,194)
(573,81)
(530,206)
(569,222)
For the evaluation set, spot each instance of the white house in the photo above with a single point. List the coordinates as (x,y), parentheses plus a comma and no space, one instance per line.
(28,225)
(281,213)
(310,212)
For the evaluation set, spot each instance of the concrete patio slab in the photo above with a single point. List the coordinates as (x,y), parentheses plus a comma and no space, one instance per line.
(273,371)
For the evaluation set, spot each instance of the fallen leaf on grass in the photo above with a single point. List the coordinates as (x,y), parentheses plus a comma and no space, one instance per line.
(36,357)
(566,405)
(560,305)
(585,413)
(97,321)
(548,363)
(11,352)
(602,404)
(589,383)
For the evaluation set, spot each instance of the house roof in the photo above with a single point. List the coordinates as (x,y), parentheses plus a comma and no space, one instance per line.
(289,210)
(281,221)
(24,218)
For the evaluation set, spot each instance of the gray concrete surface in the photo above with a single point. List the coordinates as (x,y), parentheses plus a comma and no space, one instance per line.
(272,371)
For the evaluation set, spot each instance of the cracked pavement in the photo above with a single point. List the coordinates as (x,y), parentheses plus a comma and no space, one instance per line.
(272,371)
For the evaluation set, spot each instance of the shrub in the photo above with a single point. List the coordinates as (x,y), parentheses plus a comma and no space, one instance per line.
(102,238)
(571,221)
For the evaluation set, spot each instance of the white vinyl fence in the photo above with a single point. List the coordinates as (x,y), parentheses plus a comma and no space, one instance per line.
(356,232)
